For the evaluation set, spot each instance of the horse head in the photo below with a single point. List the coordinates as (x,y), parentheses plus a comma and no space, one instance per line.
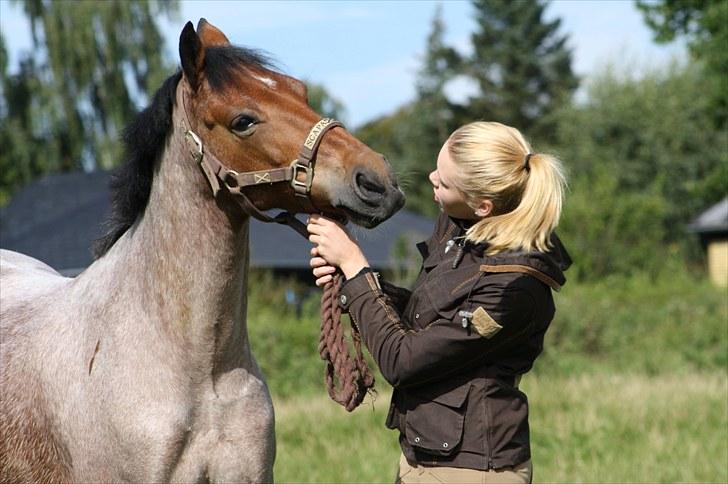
(256,121)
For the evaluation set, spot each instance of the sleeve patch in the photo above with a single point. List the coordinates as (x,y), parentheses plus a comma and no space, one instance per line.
(484,324)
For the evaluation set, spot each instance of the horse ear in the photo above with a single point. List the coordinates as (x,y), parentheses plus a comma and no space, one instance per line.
(192,55)
(210,35)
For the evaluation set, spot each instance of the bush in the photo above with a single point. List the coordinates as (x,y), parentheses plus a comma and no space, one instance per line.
(668,323)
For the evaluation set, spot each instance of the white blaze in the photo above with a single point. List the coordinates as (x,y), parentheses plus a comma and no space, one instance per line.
(266,80)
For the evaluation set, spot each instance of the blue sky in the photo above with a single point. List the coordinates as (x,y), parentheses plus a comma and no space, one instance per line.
(367,53)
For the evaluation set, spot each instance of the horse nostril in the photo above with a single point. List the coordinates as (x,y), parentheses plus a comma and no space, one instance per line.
(369,186)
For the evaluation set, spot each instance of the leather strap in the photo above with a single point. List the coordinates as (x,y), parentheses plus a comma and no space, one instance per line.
(525,270)
(299,173)
(304,163)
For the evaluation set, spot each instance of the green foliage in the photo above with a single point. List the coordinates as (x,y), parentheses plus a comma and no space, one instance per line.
(607,230)
(74,92)
(644,159)
(705,25)
(665,323)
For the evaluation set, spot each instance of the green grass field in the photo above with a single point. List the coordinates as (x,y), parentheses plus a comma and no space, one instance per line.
(632,387)
(590,428)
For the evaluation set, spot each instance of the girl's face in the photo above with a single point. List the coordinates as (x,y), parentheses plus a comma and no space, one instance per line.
(450,198)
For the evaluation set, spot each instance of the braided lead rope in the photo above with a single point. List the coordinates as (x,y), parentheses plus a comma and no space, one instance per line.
(347,379)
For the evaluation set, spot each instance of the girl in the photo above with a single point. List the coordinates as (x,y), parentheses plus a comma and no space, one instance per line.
(455,346)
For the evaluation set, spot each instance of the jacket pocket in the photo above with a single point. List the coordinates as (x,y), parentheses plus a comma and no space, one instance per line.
(435,424)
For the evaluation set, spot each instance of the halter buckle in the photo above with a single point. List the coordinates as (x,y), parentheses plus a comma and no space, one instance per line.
(302,188)
(230,179)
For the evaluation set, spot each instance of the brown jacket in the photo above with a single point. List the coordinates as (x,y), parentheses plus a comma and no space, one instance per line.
(456,401)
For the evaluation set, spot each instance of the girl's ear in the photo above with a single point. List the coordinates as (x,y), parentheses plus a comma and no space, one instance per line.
(484,208)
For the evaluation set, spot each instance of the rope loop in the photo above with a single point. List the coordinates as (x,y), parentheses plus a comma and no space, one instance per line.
(348,379)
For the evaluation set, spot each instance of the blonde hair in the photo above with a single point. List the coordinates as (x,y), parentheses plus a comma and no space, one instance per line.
(526,191)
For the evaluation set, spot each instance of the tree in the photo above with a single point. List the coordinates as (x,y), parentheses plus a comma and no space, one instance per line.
(92,65)
(521,64)
(644,158)
(323,103)
(705,25)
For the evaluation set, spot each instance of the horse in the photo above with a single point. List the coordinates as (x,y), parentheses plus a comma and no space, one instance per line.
(140,369)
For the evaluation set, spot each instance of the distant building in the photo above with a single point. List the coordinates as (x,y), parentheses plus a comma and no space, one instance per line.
(712,227)
(57,218)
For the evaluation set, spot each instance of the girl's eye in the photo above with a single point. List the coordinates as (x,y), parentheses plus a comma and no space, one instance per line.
(243,124)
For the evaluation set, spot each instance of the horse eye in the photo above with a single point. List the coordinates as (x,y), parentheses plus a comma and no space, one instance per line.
(243,124)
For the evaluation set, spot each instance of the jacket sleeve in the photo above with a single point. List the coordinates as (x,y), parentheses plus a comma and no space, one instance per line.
(407,357)
(399,296)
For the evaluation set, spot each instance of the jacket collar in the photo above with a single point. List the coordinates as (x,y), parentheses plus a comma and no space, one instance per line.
(548,267)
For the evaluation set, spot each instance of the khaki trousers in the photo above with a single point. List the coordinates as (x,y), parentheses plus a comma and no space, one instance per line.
(520,474)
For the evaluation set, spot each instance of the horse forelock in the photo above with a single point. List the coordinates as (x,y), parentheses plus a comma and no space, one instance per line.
(223,64)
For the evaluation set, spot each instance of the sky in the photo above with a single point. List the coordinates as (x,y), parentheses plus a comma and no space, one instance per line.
(367,53)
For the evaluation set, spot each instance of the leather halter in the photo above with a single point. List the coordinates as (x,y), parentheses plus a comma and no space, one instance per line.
(299,173)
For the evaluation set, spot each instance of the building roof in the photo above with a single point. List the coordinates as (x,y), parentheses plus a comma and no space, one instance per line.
(713,220)
(57,218)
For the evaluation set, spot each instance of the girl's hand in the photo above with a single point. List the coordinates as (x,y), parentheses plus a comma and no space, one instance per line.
(321,269)
(335,246)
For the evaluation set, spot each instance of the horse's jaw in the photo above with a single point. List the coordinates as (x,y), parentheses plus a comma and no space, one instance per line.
(365,213)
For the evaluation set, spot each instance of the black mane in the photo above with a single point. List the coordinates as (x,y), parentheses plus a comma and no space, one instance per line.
(145,138)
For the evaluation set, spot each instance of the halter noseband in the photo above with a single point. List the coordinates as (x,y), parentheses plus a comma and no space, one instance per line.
(217,172)
(299,173)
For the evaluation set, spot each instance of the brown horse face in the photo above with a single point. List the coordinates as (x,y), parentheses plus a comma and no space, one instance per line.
(253,118)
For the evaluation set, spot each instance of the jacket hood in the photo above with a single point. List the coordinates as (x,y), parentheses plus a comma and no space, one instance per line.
(547,266)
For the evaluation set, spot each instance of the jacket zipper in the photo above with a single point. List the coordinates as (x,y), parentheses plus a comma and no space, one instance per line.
(488,425)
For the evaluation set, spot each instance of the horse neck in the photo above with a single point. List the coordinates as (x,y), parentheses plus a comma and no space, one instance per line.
(191,260)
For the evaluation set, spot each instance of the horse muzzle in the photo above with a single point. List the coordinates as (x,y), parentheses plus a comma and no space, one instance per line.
(371,198)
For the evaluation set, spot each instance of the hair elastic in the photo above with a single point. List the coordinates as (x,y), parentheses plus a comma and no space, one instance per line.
(526,165)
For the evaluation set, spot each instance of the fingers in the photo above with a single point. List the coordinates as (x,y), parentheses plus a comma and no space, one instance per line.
(318,262)
(323,271)
(317,222)
(321,281)
(315,239)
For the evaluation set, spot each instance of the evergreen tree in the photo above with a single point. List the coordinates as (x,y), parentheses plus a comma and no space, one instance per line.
(90,69)
(521,64)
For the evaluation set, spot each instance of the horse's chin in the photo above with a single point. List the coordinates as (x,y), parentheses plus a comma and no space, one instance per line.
(369,216)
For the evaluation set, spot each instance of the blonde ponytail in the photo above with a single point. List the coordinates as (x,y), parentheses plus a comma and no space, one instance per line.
(495,163)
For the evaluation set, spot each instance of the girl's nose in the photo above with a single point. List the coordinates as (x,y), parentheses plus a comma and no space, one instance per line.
(433,177)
